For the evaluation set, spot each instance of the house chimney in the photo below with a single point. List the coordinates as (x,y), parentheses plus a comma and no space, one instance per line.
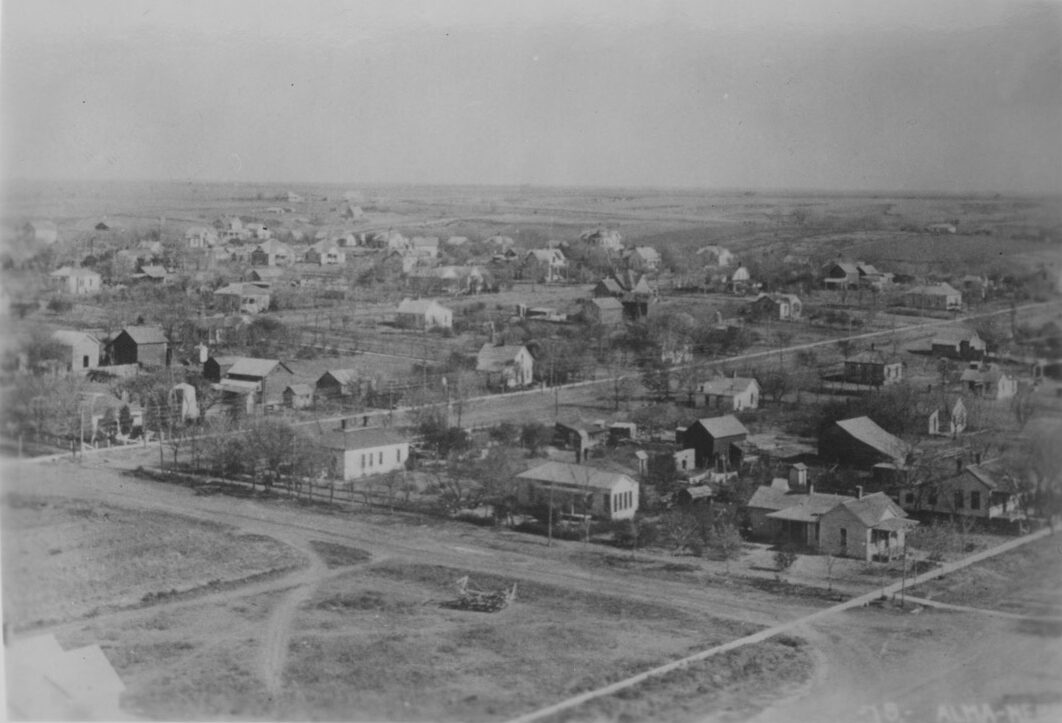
(958,465)
(859,492)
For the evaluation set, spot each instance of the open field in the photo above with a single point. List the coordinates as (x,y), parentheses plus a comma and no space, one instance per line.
(66,559)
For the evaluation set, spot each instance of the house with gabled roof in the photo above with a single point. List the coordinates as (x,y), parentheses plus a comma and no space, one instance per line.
(336,383)
(873,367)
(867,527)
(841,275)
(83,349)
(357,453)
(859,442)
(143,345)
(607,310)
(297,396)
(259,382)
(423,314)
(989,381)
(546,265)
(243,298)
(578,490)
(985,490)
(643,259)
(776,306)
(200,237)
(77,281)
(506,366)
(959,343)
(326,253)
(716,441)
(941,296)
(272,253)
(732,394)
(955,417)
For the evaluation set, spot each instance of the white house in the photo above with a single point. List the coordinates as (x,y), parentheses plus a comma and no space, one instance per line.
(507,366)
(84,349)
(199,237)
(272,253)
(326,253)
(76,281)
(643,258)
(934,296)
(364,452)
(731,394)
(576,489)
(551,261)
(423,314)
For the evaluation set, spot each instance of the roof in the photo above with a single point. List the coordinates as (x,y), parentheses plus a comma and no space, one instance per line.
(69,337)
(699,492)
(807,508)
(154,271)
(725,426)
(274,247)
(73,271)
(942,289)
(873,356)
(240,386)
(300,389)
(418,306)
(612,286)
(494,358)
(225,360)
(869,433)
(990,478)
(607,302)
(873,509)
(371,438)
(263,271)
(343,376)
(846,266)
(727,386)
(954,336)
(146,334)
(574,475)
(251,367)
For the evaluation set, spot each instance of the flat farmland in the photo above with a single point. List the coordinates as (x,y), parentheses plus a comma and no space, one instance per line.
(65,559)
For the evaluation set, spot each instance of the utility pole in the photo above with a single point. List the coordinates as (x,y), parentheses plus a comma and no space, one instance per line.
(549,519)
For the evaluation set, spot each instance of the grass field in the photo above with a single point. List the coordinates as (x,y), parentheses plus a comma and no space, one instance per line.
(65,559)
(379,642)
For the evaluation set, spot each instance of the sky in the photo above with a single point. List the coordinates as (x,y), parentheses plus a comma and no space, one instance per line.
(841,95)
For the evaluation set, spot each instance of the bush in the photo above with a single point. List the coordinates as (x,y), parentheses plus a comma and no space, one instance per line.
(60,305)
(784,558)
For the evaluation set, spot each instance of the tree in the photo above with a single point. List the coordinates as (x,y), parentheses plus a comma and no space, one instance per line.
(534,436)
(726,542)
(505,433)
(683,529)
(784,558)
(776,383)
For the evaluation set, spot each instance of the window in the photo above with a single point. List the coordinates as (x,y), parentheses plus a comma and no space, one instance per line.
(933,498)
(975,500)
(363,461)
(958,500)
(398,455)
(85,361)
(909,498)
(844,537)
(381,456)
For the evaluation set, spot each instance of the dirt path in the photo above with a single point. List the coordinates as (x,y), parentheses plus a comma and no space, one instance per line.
(273,652)
(785,627)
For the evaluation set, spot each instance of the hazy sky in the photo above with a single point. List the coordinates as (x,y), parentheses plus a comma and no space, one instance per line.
(845,95)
